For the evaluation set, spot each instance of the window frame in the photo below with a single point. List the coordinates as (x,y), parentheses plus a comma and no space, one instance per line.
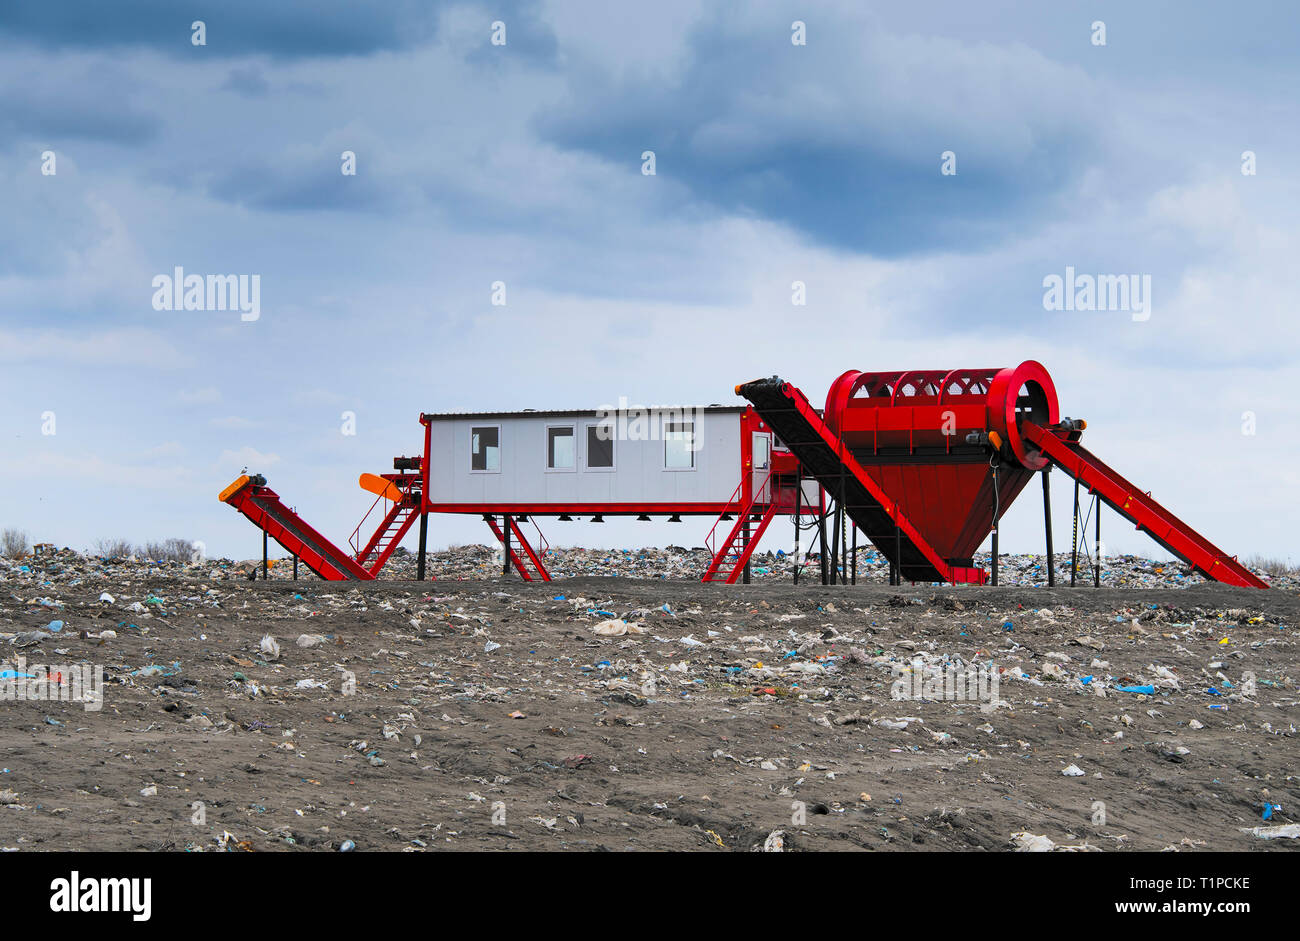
(500,450)
(613,447)
(693,451)
(546,438)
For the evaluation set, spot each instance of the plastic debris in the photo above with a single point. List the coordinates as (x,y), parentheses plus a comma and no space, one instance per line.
(1288,831)
(549,698)
(1026,842)
(616,627)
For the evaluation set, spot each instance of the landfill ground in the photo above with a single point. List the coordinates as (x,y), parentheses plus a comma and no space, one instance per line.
(621,713)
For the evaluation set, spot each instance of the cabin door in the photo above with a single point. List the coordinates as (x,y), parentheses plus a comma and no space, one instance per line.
(762,454)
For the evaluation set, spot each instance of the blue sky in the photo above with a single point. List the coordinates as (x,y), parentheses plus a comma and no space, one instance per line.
(522,163)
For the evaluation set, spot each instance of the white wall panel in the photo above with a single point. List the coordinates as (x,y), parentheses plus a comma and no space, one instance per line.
(638,476)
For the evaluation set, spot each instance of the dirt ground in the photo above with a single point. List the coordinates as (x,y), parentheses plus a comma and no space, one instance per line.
(490,715)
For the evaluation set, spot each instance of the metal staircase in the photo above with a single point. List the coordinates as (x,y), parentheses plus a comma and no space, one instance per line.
(731,557)
(529,564)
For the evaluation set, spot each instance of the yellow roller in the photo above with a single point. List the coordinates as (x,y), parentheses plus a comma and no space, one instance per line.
(373,483)
(237,485)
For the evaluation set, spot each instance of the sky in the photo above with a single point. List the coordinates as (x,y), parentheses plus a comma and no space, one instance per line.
(521,162)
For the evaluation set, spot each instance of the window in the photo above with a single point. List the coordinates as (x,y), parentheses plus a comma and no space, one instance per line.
(485,448)
(600,446)
(679,445)
(561,448)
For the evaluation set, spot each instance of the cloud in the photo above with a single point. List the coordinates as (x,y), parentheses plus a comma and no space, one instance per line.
(113,348)
(289,28)
(246,456)
(843,139)
(521,164)
(248,81)
(234,423)
(209,395)
(169,449)
(286,29)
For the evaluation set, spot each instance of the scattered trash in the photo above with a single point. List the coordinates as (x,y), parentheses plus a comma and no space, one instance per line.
(29,638)
(1026,842)
(800,686)
(1287,831)
(616,627)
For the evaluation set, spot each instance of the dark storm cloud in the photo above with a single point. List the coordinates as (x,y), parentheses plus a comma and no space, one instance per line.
(843,139)
(287,28)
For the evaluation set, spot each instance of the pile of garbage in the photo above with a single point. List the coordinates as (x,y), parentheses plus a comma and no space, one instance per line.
(1005,725)
(66,566)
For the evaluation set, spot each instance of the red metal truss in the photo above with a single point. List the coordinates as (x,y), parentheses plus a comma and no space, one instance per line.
(931,459)
(825,456)
(262,505)
(1061,447)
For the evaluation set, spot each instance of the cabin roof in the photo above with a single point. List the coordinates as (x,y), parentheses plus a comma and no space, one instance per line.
(631,411)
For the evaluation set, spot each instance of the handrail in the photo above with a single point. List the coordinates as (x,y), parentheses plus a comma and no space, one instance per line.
(708,540)
(748,508)
(354,539)
(543,546)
